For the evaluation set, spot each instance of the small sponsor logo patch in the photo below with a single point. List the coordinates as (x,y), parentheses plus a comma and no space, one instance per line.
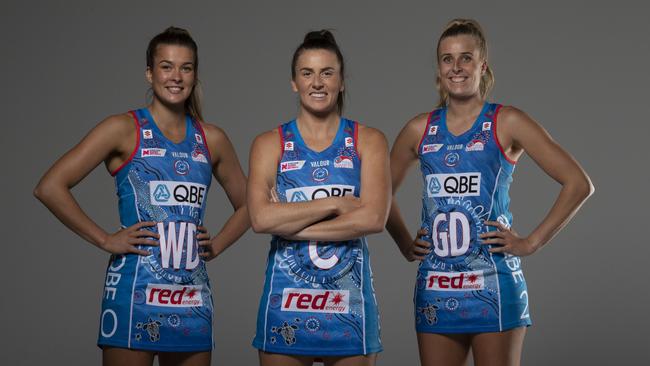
(174,295)
(433,130)
(147,134)
(152,152)
(431,148)
(349,142)
(197,155)
(320,174)
(487,125)
(198,138)
(343,162)
(455,281)
(475,145)
(287,166)
(452,159)
(315,301)
(288,145)
(181,167)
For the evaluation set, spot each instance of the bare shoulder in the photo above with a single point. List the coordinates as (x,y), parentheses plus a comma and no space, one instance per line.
(511,117)
(121,124)
(371,135)
(417,123)
(117,131)
(213,132)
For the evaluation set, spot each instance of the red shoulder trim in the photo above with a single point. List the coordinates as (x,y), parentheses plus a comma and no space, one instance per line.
(281,140)
(356,138)
(205,141)
(426,130)
(137,144)
(496,139)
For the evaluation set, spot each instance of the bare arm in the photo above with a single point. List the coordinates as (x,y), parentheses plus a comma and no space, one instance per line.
(280,218)
(518,132)
(402,157)
(370,216)
(227,170)
(112,141)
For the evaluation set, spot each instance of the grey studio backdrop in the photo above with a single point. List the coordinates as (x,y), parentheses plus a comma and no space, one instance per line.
(578,68)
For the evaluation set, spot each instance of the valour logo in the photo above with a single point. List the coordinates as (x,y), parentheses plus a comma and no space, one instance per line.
(349,142)
(147,134)
(343,162)
(454,185)
(433,130)
(288,145)
(316,301)
(455,281)
(171,193)
(431,148)
(316,192)
(286,166)
(177,296)
(153,152)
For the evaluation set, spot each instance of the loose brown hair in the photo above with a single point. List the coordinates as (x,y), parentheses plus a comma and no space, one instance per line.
(180,37)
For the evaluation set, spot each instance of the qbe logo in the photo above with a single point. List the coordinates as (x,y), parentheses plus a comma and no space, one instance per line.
(286,166)
(454,185)
(170,193)
(177,296)
(316,301)
(455,281)
(317,192)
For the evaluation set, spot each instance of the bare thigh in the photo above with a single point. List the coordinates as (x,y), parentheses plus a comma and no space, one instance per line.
(498,348)
(443,349)
(360,360)
(114,356)
(184,358)
(277,359)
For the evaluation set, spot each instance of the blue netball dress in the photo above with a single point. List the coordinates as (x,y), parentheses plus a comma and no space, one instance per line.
(161,302)
(318,297)
(461,287)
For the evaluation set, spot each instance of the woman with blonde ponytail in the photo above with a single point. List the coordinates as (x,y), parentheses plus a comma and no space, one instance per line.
(470,291)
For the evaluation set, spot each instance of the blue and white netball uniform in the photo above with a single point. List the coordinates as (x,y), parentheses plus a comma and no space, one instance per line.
(318,297)
(161,302)
(461,287)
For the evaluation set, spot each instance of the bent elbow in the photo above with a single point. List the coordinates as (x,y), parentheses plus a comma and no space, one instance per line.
(42,192)
(585,188)
(375,224)
(258,225)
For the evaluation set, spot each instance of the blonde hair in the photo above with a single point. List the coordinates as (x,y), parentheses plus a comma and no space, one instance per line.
(469,27)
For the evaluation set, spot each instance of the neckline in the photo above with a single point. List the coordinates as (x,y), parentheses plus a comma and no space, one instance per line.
(443,122)
(332,143)
(159,131)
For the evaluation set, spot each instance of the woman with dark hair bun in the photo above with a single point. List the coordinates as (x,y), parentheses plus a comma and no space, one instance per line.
(157,298)
(319,184)
(470,290)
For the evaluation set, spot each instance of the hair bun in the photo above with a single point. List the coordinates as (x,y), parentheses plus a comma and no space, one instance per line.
(323,35)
